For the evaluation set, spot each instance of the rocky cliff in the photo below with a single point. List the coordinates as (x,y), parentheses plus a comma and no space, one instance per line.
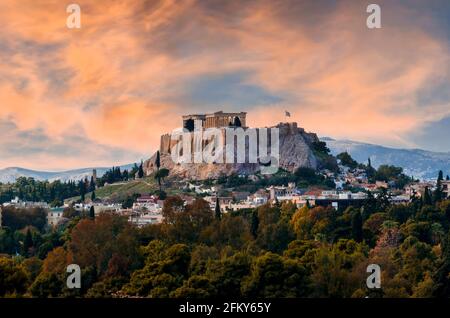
(295,150)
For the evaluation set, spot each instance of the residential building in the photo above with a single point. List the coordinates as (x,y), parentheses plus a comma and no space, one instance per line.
(446,188)
(54,216)
(282,191)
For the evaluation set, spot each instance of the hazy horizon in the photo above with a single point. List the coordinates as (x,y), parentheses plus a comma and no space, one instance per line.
(115,164)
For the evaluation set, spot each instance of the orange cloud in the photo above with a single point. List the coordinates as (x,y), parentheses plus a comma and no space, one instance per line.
(119,81)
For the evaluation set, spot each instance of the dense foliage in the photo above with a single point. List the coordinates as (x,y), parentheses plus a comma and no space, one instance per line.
(303,177)
(28,189)
(274,250)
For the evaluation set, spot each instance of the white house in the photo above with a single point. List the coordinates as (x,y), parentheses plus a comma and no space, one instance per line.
(54,216)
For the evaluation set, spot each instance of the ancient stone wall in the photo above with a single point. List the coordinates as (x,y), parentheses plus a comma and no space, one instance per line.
(294,150)
(216,120)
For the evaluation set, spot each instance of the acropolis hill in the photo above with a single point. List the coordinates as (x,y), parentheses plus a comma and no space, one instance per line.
(295,148)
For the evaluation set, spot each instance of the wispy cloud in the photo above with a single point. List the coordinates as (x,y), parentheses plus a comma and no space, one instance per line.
(134,67)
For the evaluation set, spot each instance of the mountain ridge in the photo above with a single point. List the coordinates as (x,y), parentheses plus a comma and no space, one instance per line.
(420,163)
(10,174)
(388,147)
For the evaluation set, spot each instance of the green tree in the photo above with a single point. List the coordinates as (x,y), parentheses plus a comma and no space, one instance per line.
(160,175)
(335,271)
(306,175)
(93,196)
(165,269)
(141,170)
(17,219)
(106,288)
(32,266)
(27,243)
(357,224)
(347,160)
(426,199)
(128,202)
(320,147)
(275,276)
(196,286)
(441,277)
(8,244)
(13,277)
(82,188)
(217,212)
(227,274)
(108,244)
(232,231)
(400,213)
(314,223)
(125,175)
(254,224)
(158,160)
(185,224)
(133,171)
(173,205)
(394,174)
(92,184)
(47,285)
(438,193)
(92,213)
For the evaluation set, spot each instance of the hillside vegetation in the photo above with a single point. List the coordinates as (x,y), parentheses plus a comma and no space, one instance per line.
(121,190)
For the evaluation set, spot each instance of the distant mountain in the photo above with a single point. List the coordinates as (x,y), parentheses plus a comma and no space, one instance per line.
(12,173)
(419,163)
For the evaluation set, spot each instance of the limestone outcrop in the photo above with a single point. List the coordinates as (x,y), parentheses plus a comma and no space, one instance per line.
(295,150)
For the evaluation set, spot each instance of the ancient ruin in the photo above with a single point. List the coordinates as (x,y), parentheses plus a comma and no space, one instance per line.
(295,147)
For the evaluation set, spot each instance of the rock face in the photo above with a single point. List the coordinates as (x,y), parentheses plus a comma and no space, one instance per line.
(294,151)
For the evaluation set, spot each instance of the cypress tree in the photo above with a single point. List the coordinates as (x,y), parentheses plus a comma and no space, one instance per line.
(308,205)
(92,213)
(141,171)
(254,224)
(82,187)
(92,184)
(28,242)
(158,160)
(427,197)
(438,193)
(217,212)
(93,196)
(357,232)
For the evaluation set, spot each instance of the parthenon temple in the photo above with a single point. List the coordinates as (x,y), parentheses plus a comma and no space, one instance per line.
(215,120)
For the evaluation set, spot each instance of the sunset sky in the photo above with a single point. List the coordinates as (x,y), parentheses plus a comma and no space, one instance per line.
(102,95)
